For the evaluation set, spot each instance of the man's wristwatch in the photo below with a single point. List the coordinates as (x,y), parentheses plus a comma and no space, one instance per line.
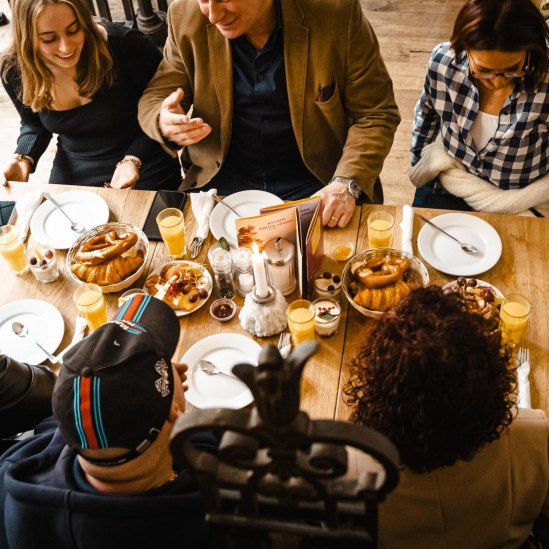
(353,188)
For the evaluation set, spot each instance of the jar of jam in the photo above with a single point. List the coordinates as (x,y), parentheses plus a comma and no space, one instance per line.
(223,309)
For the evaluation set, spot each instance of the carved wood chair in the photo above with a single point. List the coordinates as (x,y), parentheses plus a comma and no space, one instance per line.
(279,478)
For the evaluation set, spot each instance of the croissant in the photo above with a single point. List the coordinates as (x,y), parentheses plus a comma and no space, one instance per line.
(381,299)
(111,272)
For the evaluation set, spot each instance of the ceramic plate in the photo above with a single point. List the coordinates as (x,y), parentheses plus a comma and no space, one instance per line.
(480,282)
(51,228)
(183,263)
(44,322)
(445,254)
(219,391)
(247,204)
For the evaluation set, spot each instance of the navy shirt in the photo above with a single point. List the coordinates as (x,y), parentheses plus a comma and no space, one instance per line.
(263,154)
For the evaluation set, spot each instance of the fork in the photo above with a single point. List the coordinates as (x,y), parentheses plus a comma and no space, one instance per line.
(196,246)
(283,340)
(523,356)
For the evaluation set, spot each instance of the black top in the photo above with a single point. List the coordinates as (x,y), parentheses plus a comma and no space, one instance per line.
(92,138)
(263,154)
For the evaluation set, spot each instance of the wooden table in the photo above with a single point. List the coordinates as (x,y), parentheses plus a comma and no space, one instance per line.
(521,269)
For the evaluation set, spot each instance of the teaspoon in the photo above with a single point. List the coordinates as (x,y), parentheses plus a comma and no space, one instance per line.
(211,369)
(21,330)
(465,246)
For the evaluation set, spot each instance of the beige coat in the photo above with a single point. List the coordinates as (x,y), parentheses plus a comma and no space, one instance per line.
(489,502)
(325,42)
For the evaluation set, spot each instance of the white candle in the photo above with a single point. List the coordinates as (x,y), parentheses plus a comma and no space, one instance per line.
(258,266)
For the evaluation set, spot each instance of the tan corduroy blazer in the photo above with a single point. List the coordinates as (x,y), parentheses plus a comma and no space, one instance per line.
(489,502)
(325,42)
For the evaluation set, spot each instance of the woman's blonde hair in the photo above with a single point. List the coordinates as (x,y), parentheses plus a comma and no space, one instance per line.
(95,67)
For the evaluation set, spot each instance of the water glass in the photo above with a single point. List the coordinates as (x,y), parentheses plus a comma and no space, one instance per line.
(301,320)
(380,229)
(172,229)
(12,249)
(91,304)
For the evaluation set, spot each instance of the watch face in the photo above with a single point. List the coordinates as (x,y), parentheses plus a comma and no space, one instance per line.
(354,189)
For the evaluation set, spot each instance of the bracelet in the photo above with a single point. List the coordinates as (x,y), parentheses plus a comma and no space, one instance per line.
(24,158)
(136,161)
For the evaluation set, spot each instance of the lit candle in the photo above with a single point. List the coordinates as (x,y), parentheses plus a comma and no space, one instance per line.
(260,275)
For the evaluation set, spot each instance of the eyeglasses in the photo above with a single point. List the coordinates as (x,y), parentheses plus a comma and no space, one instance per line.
(487,75)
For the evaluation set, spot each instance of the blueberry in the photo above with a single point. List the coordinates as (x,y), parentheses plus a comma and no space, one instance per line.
(42,262)
(33,260)
(331,288)
(337,279)
(327,275)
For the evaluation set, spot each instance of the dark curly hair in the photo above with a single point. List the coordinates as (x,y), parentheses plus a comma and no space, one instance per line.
(434,379)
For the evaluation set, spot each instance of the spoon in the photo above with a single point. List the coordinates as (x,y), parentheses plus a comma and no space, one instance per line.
(217,199)
(21,330)
(465,246)
(211,369)
(76,227)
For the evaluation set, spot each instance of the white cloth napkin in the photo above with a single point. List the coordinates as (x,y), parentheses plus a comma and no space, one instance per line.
(524,400)
(24,208)
(80,326)
(202,205)
(407,227)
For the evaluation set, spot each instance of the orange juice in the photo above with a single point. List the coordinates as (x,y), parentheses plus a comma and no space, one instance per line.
(514,314)
(380,233)
(91,304)
(12,249)
(301,321)
(172,228)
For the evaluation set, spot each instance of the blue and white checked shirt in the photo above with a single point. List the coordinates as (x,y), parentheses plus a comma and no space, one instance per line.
(515,156)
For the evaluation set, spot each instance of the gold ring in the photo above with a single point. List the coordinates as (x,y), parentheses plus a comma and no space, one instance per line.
(336,219)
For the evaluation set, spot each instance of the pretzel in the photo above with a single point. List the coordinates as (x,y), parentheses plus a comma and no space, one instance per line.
(105,247)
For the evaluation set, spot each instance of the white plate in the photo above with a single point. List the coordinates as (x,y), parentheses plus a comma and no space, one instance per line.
(480,282)
(184,262)
(219,391)
(445,255)
(45,325)
(51,228)
(247,204)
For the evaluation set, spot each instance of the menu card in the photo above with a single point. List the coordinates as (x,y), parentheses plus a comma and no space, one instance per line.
(299,222)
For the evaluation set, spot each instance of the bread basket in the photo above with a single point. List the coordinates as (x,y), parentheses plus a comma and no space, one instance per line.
(141,246)
(416,273)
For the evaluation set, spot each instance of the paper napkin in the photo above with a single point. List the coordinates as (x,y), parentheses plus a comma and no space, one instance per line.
(524,400)
(24,208)
(407,227)
(202,205)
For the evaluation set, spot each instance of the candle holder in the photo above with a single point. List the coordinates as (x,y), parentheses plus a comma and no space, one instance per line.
(264,316)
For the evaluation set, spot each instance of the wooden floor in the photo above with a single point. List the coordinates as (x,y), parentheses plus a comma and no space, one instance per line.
(407,31)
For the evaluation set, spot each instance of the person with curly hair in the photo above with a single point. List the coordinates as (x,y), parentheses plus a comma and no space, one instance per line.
(436,380)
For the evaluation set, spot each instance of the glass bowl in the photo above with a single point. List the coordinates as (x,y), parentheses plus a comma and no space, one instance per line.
(223,309)
(140,248)
(380,299)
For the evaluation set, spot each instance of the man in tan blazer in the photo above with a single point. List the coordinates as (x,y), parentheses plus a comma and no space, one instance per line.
(285,93)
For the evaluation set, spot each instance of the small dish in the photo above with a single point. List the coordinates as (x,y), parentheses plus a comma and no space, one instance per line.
(223,309)
(342,251)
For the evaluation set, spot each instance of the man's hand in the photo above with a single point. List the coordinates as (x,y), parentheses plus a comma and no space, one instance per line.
(16,170)
(177,126)
(182,371)
(338,205)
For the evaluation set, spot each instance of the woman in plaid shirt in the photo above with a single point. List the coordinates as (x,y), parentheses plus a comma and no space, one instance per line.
(480,139)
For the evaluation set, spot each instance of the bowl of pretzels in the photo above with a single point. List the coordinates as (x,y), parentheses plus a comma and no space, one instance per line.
(112,256)
(375,280)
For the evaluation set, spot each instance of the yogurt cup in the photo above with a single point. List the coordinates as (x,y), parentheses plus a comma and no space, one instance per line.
(327,314)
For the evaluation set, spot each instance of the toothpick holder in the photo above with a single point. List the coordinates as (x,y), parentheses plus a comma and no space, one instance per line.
(264,316)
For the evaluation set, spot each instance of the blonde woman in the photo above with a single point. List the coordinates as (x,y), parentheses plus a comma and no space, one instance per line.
(69,76)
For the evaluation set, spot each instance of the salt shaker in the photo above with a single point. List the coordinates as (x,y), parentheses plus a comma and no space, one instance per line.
(279,255)
(222,267)
(242,261)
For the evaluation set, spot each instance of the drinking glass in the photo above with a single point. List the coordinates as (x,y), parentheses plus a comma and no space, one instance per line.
(91,304)
(12,249)
(43,263)
(301,320)
(172,228)
(380,229)
(514,313)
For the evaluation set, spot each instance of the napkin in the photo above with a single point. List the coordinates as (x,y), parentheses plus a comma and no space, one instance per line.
(80,326)
(24,208)
(202,205)
(524,400)
(407,227)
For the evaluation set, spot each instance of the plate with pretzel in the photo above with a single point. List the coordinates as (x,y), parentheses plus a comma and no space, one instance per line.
(184,285)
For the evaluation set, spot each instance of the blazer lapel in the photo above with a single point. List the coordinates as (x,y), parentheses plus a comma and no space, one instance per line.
(296,52)
(222,72)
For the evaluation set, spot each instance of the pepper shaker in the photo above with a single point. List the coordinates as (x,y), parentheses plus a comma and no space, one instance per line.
(222,267)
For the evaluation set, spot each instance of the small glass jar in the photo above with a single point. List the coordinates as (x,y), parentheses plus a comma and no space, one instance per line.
(327,313)
(222,267)
(242,262)
(43,263)
(279,255)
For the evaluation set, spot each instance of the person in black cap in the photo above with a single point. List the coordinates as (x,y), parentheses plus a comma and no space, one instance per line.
(105,477)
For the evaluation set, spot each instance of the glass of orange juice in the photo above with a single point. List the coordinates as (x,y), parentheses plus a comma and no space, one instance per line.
(172,228)
(514,313)
(301,320)
(91,304)
(380,229)
(12,249)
